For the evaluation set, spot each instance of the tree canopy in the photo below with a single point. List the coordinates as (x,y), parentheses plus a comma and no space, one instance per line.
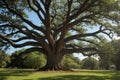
(106,53)
(65,26)
(4,59)
(34,60)
(116,56)
(89,63)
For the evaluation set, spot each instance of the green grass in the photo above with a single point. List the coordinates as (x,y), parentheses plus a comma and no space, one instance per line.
(28,74)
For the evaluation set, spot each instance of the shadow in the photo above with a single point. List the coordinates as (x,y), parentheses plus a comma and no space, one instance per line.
(97,71)
(75,77)
(109,72)
(116,75)
(111,75)
(14,72)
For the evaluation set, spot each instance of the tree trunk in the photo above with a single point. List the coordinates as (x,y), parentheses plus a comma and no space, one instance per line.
(53,62)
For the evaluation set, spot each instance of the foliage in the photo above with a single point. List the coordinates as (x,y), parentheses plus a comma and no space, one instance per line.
(17,60)
(69,61)
(77,60)
(89,63)
(58,26)
(34,60)
(105,53)
(116,56)
(4,59)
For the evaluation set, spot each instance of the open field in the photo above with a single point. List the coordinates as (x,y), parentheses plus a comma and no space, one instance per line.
(27,74)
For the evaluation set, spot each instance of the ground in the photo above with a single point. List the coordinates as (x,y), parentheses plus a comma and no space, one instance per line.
(29,74)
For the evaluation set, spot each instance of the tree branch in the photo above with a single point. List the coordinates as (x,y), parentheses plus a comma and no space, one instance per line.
(28,34)
(69,8)
(80,10)
(89,41)
(28,1)
(32,49)
(28,43)
(21,39)
(78,50)
(82,19)
(39,9)
(20,16)
(77,36)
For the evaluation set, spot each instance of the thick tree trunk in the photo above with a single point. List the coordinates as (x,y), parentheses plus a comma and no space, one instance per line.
(53,62)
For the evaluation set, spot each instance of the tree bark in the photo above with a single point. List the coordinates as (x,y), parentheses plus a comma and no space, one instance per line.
(53,62)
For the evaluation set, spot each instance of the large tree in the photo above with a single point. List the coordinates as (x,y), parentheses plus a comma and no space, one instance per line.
(64,25)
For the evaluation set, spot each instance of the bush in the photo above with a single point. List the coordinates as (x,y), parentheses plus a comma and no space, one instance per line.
(89,63)
(34,60)
(4,59)
(69,61)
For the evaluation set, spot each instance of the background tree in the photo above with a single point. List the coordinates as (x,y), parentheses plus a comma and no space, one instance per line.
(69,61)
(105,53)
(4,59)
(89,63)
(17,60)
(62,25)
(77,60)
(34,60)
(116,56)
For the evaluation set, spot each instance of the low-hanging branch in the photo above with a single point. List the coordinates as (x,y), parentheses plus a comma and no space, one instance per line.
(77,36)
(79,50)
(89,41)
(28,43)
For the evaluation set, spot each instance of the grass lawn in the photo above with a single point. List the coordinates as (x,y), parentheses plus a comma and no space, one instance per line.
(27,74)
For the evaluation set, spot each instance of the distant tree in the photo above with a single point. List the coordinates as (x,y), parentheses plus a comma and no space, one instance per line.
(4,59)
(69,61)
(116,57)
(34,60)
(105,53)
(89,63)
(77,60)
(17,60)
(61,26)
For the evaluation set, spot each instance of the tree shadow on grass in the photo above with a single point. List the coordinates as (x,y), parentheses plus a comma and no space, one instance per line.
(116,75)
(112,75)
(97,71)
(13,72)
(75,77)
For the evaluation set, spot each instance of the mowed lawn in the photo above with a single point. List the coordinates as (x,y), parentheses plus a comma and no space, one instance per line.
(28,74)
